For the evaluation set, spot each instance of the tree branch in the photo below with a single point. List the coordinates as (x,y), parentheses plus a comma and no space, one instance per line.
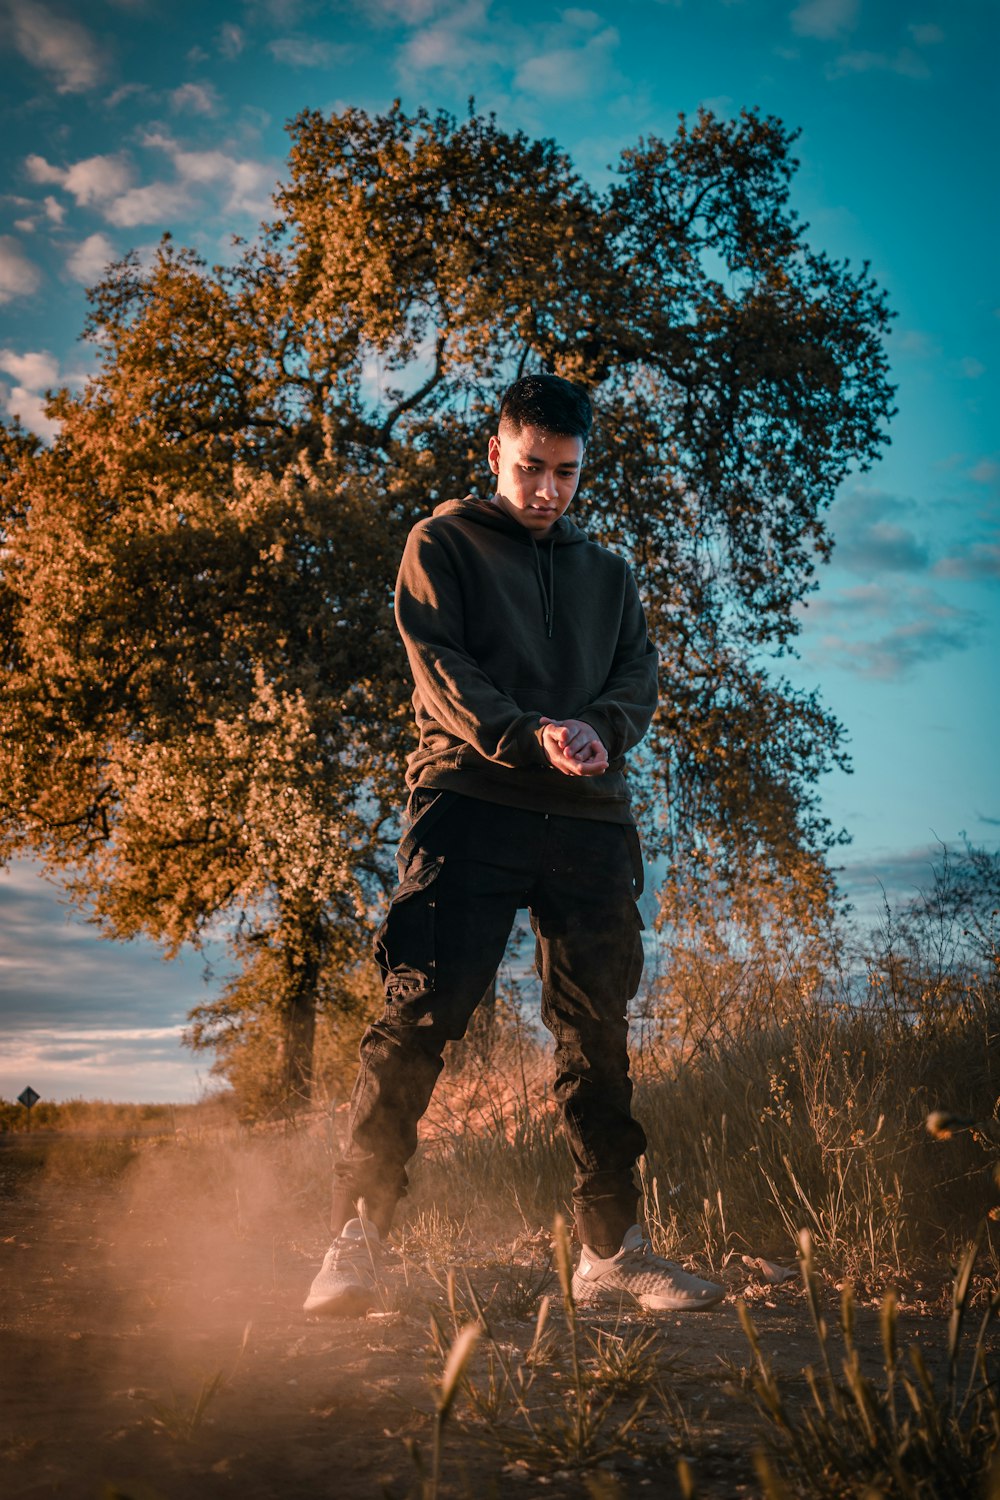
(410,401)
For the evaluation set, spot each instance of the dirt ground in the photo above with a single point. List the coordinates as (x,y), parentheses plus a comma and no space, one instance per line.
(124,1302)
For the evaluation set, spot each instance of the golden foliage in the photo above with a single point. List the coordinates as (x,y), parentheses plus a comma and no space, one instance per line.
(203,707)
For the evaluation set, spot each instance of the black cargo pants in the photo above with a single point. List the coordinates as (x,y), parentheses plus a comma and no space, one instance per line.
(466,866)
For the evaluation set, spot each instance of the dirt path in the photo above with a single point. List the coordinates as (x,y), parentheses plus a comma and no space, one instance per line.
(122,1304)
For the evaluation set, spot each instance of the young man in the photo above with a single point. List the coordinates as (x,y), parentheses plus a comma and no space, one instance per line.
(533,677)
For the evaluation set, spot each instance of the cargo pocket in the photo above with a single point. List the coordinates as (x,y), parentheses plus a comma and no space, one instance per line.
(404,944)
(634,955)
(635,855)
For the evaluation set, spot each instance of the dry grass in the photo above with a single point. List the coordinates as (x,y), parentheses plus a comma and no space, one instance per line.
(816,1119)
(902,1434)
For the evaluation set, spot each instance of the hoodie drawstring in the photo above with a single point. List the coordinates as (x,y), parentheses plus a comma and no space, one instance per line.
(548,594)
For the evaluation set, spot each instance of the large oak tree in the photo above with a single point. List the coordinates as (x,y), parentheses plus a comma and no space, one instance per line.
(203,706)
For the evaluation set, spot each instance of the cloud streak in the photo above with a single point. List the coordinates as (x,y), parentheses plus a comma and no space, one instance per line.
(306,52)
(899,651)
(871,539)
(82,1015)
(194,99)
(886,632)
(905,62)
(979,562)
(73,972)
(19,276)
(61,48)
(824,19)
(901,874)
(144,1065)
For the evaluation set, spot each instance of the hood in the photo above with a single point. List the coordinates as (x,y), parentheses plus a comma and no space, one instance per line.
(564,533)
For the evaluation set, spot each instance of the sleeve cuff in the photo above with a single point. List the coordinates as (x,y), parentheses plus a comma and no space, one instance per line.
(601,727)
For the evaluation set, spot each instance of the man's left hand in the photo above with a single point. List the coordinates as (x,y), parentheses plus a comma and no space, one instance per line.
(573,748)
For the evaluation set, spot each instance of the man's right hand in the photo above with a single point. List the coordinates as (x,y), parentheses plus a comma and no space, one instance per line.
(573,748)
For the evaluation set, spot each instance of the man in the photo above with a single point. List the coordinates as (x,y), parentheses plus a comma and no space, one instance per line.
(533,676)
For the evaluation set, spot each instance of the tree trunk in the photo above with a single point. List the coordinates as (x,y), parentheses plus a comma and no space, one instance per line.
(302,968)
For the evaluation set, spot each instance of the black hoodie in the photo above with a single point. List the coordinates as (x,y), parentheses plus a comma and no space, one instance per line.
(500,629)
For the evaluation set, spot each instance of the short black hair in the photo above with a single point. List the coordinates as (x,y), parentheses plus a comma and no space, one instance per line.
(549,402)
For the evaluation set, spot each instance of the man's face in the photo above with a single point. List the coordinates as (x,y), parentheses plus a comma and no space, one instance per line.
(537,475)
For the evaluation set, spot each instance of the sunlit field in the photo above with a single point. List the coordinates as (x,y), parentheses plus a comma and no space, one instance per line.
(831,1158)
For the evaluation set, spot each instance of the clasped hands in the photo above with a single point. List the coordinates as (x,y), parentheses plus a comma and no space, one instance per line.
(573,748)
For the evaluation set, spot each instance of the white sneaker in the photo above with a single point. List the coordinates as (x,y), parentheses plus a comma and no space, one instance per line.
(635,1272)
(345,1283)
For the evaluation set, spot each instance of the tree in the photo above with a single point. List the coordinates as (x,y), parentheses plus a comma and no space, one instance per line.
(203,704)
(937,952)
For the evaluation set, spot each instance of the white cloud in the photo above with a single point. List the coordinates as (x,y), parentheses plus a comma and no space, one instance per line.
(94,179)
(568,58)
(249,183)
(905,62)
(33,371)
(231,40)
(63,1034)
(37,372)
(410,12)
(28,407)
(926,36)
(871,534)
(202,166)
(131,1064)
(980,561)
(66,993)
(276,13)
(147,205)
(19,276)
(455,43)
(54,209)
(108,182)
(194,99)
(24,226)
(88,260)
(914,341)
(305,52)
(897,873)
(986,471)
(32,375)
(825,19)
(900,651)
(39,170)
(569,72)
(126,91)
(59,46)
(98,178)
(886,632)
(720,105)
(586,20)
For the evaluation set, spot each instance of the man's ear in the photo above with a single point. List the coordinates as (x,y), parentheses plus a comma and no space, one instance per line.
(494,454)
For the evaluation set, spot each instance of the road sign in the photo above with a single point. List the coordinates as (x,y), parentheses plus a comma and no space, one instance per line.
(28,1097)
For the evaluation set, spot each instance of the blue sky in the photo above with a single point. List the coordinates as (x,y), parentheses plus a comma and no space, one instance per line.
(122,119)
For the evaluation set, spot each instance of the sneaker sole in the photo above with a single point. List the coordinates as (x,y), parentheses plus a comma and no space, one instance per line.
(615,1296)
(354,1302)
